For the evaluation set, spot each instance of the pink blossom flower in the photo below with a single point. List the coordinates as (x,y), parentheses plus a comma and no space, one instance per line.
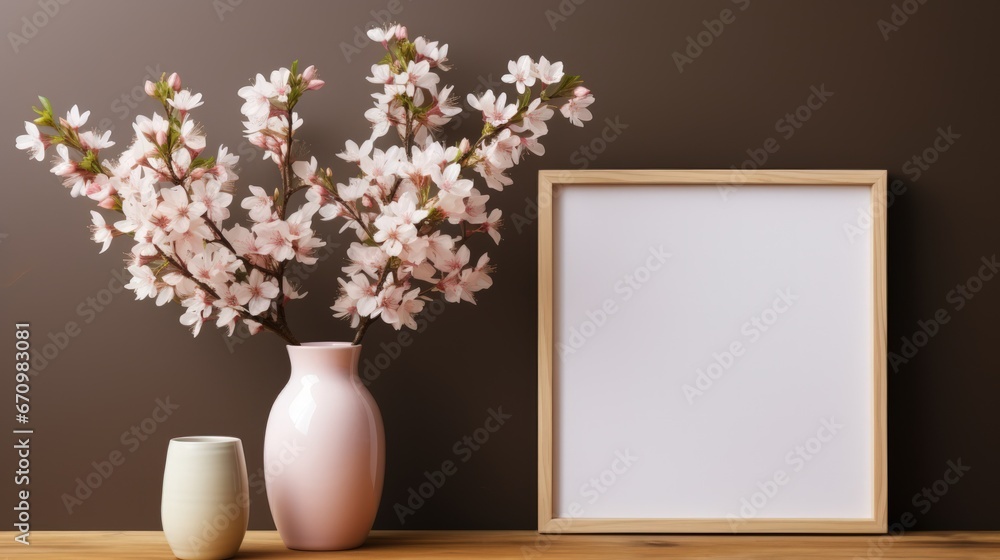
(534,118)
(174,81)
(575,110)
(262,291)
(491,224)
(360,291)
(259,204)
(275,239)
(209,193)
(179,209)
(311,78)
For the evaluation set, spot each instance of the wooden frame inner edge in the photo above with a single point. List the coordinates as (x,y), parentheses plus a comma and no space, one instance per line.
(548,181)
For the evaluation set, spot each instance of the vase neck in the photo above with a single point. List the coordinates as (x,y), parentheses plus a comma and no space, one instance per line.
(324,358)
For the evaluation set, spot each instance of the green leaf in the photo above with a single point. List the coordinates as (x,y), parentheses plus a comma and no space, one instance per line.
(295,67)
(205,163)
(525,99)
(45,104)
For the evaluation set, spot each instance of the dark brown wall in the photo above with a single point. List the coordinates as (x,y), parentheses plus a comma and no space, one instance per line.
(890,99)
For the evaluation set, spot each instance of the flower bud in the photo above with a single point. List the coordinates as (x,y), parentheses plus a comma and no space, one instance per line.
(400,32)
(463,146)
(108,203)
(581,91)
(309,74)
(150,88)
(174,81)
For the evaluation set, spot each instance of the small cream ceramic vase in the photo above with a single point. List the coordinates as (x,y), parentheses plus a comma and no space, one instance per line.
(324,451)
(206,499)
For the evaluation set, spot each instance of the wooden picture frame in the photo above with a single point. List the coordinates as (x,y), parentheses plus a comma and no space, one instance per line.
(555,422)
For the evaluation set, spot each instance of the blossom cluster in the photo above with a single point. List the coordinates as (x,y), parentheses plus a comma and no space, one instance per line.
(173,201)
(411,203)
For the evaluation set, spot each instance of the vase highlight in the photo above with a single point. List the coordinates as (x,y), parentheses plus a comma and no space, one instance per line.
(324,451)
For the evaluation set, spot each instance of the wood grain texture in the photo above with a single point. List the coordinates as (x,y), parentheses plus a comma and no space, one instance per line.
(549,183)
(150,545)
(879,213)
(545,350)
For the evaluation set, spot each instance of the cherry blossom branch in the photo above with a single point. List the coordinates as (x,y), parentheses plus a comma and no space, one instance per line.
(279,328)
(367,321)
(220,238)
(286,193)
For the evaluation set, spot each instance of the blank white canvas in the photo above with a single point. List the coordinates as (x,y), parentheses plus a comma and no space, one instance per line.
(621,393)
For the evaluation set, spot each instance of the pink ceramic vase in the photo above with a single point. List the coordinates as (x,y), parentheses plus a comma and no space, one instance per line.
(324,451)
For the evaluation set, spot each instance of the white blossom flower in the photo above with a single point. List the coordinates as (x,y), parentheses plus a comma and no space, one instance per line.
(495,110)
(92,141)
(185,101)
(33,142)
(143,282)
(521,73)
(75,119)
(548,73)
(353,153)
(575,110)
(101,232)
(416,75)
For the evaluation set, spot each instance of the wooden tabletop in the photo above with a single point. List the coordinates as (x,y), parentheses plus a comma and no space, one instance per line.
(480,545)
